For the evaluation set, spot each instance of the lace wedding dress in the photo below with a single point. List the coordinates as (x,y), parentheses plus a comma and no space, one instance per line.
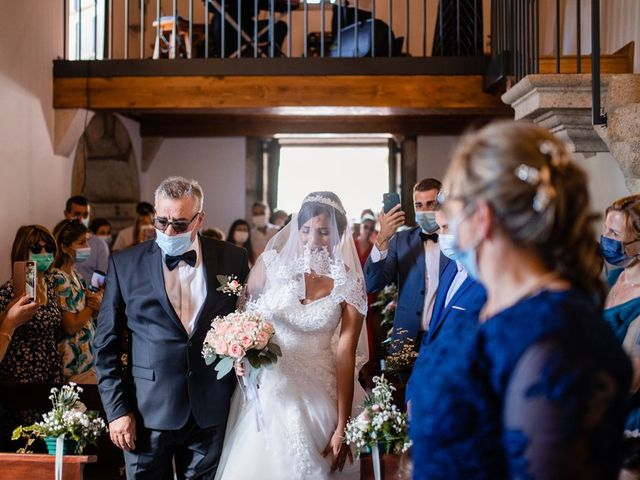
(298,396)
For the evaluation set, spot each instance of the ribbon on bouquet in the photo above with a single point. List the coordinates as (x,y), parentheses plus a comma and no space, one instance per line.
(249,387)
(59,457)
(375,456)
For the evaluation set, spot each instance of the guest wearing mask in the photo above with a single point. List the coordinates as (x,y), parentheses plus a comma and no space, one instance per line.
(128,236)
(262,230)
(539,389)
(240,237)
(457,305)
(78,304)
(620,245)
(28,329)
(411,259)
(101,228)
(78,208)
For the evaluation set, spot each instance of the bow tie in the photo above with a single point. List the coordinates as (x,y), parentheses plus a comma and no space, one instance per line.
(188,257)
(429,236)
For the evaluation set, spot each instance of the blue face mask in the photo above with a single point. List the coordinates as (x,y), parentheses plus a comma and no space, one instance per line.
(614,253)
(173,245)
(427,221)
(82,254)
(447,243)
(466,257)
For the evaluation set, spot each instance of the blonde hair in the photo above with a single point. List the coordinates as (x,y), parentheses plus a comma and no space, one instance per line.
(538,194)
(630,207)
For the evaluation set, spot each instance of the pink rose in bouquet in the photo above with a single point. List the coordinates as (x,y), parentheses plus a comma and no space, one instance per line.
(237,336)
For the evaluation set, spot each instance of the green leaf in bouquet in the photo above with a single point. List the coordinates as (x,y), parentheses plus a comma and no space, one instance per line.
(17,433)
(224,366)
(254,358)
(271,356)
(274,348)
(222,279)
(209,359)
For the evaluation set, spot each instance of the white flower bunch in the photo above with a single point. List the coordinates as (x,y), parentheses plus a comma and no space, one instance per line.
(68,417)
(379,423)
(403,354)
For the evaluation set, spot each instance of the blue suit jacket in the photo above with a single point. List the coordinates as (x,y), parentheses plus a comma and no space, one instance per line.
(169,379)
(466,302)
(405,267)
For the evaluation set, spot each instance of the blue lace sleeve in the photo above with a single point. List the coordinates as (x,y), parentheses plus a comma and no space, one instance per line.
(549,427)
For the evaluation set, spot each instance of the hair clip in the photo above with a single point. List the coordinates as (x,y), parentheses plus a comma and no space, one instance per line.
(528,174)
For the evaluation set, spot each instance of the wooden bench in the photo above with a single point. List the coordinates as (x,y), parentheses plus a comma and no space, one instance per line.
(106,461)
(16,466)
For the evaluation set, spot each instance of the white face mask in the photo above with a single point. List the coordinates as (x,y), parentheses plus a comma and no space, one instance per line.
(105,238)
(259,221)
(240,237)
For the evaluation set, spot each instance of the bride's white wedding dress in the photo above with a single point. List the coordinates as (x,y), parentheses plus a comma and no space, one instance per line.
(298,395)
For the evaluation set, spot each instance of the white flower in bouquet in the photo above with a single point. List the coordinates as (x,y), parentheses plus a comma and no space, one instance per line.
(240,335)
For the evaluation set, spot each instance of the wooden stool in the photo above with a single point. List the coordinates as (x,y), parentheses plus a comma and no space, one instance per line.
(166,36)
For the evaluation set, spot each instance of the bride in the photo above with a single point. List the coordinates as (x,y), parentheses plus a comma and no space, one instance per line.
(309,284)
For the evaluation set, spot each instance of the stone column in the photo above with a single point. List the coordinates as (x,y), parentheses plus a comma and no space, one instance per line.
(622,133)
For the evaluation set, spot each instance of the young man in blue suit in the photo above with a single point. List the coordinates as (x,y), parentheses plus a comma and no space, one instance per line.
(163,292)
(411,259)
(457,305)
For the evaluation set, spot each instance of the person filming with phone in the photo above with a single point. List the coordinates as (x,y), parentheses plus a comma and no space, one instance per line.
(79,304)
(411,259)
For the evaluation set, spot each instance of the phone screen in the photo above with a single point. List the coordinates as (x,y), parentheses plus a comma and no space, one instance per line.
(25,276)
(97,279)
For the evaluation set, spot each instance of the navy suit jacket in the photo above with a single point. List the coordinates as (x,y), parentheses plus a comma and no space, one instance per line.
(404,266)
(466,302)
(169,379)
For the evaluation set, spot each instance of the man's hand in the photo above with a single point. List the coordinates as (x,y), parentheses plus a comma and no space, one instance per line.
(389,223)
(123,432)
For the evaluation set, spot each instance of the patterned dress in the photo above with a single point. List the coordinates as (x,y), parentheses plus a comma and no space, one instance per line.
(75,349)
(32,355)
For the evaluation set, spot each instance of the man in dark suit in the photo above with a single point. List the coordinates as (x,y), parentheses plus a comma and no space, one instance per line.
(163,293)
(411,259)
(457,305)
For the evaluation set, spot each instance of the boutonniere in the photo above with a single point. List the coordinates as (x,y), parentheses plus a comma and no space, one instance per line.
(230,285)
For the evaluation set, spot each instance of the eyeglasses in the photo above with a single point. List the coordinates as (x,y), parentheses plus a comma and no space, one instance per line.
(179,226)
(37,248)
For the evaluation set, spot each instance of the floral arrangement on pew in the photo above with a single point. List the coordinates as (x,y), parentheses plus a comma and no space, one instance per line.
(68,418)
(380,427)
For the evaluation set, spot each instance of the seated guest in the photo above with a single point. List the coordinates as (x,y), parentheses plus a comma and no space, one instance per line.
(101,228)
(128,236)
(262,230)
(458,297)
(28,330)
(78,208)
(411,259)
(539,389)
(78,304)
(239,235)
(620,245)
(213,232)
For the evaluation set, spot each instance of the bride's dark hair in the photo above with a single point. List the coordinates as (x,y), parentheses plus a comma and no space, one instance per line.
(310,209)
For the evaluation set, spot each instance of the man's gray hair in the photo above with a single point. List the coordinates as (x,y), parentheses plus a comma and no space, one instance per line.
(180,187)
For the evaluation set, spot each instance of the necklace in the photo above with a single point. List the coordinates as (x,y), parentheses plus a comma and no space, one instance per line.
(622,285)
(533,289)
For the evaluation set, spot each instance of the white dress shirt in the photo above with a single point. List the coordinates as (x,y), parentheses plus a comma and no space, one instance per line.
(186,288)
(458,280)
(431,276)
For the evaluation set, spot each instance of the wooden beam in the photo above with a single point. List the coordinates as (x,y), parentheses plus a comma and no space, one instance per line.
(424,93)
(620,61)
(194,125)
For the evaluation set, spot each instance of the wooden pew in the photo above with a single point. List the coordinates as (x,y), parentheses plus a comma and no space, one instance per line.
(17,466)
(104,462)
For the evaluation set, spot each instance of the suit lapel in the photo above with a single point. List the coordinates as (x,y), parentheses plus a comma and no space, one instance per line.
(461,291)
(210,265)
(446,278)
(416,247)
(156,275)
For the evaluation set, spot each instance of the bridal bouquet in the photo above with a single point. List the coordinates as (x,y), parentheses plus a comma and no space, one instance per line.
(239,336)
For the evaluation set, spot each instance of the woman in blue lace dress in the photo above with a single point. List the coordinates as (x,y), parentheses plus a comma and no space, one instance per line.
(620,245)
(539,389)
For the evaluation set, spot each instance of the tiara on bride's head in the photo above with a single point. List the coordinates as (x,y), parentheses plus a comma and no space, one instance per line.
(325,201)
